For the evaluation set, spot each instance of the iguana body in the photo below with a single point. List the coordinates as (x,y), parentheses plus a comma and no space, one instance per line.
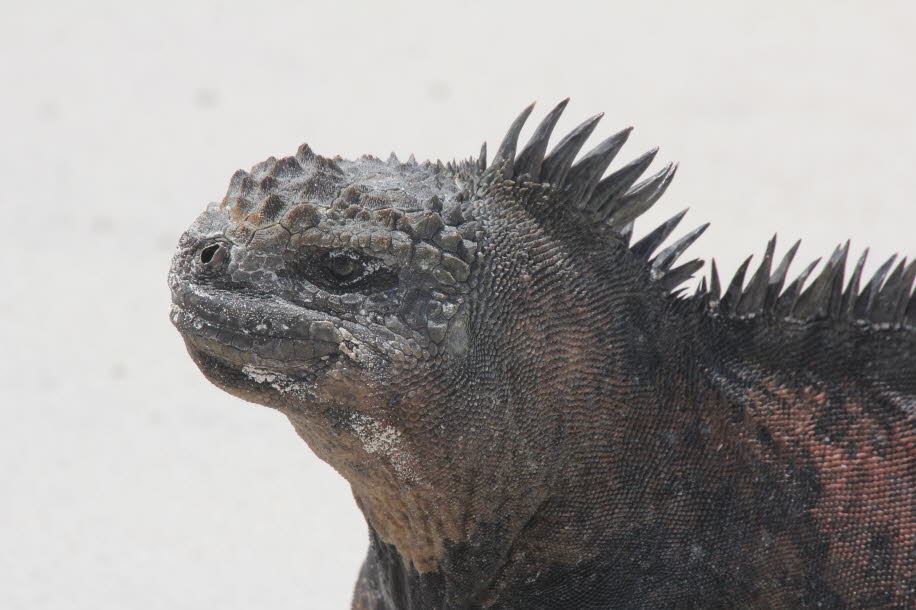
(530,415)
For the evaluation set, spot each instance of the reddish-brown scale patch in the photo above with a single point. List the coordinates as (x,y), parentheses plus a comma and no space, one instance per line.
(865,461)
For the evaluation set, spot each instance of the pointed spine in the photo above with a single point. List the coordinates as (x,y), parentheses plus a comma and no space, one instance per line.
(532,156)
(715,287)
(815,300)
(866,301)
(886,303)
(852,288)
(753,298)
(910,315)
(643,196)
(666,257)
(505,155)
(786,303)
(644,248)
(778,279)
(618,182)
(584,175)
(733,292)
(626,233)
(556,165)
(679,275)
(906,287)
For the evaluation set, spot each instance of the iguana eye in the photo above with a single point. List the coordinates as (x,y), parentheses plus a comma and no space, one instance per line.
(343,266)
(340,271)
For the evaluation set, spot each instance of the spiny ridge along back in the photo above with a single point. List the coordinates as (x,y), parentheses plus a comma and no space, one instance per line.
(617,200)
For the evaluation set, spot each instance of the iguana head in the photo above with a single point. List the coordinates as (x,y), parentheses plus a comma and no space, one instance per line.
(313,269)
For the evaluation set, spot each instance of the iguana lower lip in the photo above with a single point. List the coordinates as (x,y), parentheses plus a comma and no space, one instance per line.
(235,358)
(250,348)
(271,334)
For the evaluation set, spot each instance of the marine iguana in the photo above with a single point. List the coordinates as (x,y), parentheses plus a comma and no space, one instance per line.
(533,414)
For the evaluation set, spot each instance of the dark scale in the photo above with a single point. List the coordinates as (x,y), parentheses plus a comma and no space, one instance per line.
(531,411)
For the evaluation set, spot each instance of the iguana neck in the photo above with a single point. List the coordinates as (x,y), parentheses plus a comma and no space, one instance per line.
(665,496)
(627,480)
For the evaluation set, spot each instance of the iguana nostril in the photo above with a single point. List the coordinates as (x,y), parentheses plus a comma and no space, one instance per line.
(212,258)
(207,254)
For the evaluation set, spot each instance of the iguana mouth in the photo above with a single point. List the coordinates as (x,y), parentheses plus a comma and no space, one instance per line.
(272,333)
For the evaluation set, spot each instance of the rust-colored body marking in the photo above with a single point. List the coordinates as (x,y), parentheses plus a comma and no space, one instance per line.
(865,511)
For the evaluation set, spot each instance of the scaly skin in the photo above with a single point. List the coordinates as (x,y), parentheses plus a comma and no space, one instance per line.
(527,414)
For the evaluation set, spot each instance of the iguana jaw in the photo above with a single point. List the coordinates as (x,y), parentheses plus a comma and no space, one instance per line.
(250,344)
(286,343)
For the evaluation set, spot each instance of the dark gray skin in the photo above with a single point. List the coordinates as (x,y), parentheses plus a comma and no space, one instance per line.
(526,413)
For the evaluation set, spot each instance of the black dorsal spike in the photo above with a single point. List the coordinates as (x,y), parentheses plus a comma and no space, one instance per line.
(666,257)
(786,303)
(701,296)
(866,301)
(647,245)
(835,296)
(778,279)
(815,300)
(677,276)
(910,315)
(679,293)
(482,158)
(626,234)
(637,199)
(733,292)
(715,286)
(584,175)
(852,289)
(557,163)
(641,197)
(619,181)
(906,285)
(752,299)
(505,156)
(532,156)
(886,302)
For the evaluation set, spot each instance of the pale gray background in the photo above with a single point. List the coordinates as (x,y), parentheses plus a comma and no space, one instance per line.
(126,480)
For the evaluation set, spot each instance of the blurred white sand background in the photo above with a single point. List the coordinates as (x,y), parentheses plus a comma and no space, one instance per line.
(126,479)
